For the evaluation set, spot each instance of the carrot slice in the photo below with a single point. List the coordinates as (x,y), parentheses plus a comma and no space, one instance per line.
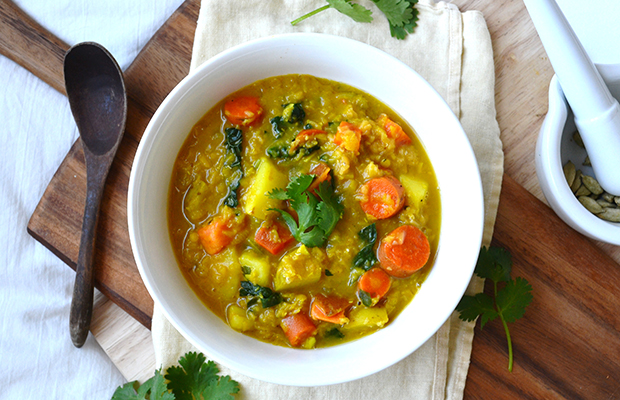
(382,197)
(403,251)
(244,110)
(393,130)
(329,309)
(297,328)
(322,173)
(216,235)
(348,137)
(376,282)
(273,237)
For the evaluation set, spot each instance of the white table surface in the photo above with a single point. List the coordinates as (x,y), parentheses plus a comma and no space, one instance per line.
(37,129)
(37,356)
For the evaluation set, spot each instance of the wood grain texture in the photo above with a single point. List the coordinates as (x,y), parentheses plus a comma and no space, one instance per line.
(566,346)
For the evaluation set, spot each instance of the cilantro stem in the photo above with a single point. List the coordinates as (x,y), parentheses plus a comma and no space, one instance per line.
(501,317)
(310,14)
(509,342)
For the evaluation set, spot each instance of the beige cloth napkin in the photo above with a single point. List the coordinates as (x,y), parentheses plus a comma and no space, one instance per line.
(451,50)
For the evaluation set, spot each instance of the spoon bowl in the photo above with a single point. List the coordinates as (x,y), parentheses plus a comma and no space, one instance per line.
(96,92)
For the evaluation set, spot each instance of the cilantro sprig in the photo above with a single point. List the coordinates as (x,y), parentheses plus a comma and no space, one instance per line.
(315,219)
(401,14)
(194,379)
(509,302)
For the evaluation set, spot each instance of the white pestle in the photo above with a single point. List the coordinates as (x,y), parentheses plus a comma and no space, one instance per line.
(597,113)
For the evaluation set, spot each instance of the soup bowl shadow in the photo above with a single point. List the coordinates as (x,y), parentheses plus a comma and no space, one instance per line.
(374,72)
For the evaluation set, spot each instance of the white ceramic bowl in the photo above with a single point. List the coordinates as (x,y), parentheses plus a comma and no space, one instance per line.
(376,73)
(555,147)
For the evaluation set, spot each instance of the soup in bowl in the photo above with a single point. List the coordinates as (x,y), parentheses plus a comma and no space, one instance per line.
(291,190)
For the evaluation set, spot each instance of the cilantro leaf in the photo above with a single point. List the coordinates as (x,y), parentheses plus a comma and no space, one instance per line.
(315,219)
(513,299)
(197,379)
(329,210)
(194,379)
(401,14)
(509,303)
(154,388)
(357,12)
(494,263)
(398,12)
(471,307)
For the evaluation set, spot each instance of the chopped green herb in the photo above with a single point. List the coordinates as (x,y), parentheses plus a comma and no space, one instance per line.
(334,333)
(365,298)
(295,113)
(402,15)
(509,303)
(193,379)
(366,258)
(277,126)
(316,218)
(328,273)
(234,139)
(246,270)
(268,297)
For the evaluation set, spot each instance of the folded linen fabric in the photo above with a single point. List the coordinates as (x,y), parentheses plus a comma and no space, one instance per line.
(452,51)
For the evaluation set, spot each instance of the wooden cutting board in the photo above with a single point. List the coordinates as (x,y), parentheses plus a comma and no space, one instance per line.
(566,346)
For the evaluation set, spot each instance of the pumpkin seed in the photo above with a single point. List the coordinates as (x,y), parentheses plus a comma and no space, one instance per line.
(610,214)
(617,200)
(592,184)
(569,172)
(590,204)
(587,162)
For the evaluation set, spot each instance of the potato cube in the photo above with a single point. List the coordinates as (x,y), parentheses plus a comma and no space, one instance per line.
(258,265)
(364,317)
(299,268)
(238,318)
(256,202)
(415,190)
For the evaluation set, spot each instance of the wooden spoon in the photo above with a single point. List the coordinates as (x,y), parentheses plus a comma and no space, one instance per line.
(96,92)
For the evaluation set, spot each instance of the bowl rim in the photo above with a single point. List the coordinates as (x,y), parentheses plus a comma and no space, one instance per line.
(475,226)
(551,175)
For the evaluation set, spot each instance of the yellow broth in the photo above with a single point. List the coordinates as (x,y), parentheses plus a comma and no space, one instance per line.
(202,178)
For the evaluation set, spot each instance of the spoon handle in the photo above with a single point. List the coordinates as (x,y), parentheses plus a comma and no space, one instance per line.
(83,289)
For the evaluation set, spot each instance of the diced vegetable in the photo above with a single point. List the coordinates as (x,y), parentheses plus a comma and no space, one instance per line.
(223,273)
(393,130)
(321,173)
(375,283)
(382,197)
(244,110)
(403,251)
(256,201)
(348,137)
(365,317)
(238,318)
(298,328)
(221,231)
(415,189)
(299,268)
(259,266)
(307,138)
(273,237)
(329,309)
